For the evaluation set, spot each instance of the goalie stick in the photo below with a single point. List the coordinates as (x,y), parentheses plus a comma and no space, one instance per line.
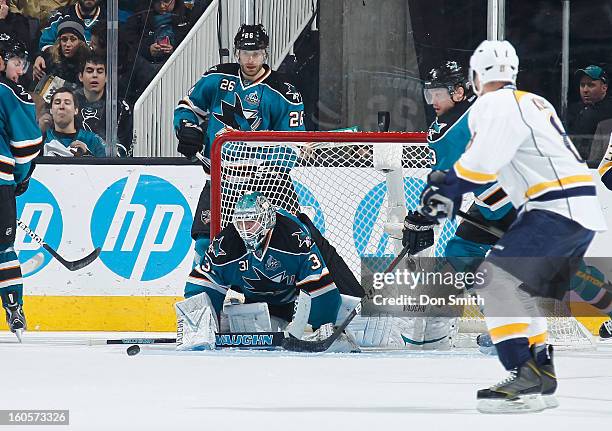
(260,340)
(297,345)
(70,265)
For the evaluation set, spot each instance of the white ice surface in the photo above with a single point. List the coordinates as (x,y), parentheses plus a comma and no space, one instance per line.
(161,389)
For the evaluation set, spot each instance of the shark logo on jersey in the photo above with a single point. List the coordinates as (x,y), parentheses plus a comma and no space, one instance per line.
(293,93)
(303,239)
(215,247)
(272,264)
(265,285)
(435,128)
(253,98)
(236,117)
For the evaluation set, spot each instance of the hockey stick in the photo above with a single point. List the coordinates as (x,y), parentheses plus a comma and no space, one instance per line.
(71,265)
(489,229)
(222,340)
(297,345)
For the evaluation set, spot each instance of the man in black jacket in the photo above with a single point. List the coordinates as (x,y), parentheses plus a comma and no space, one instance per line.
(92,102)
(153,35)
(595,105)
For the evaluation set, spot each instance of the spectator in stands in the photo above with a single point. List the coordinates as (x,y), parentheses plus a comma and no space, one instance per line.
(39,9)
(127,8)
(153,35)
(65,57)
(92,104)
(15,25)
(85,12)
(64,138)
(98,39)
(595,105)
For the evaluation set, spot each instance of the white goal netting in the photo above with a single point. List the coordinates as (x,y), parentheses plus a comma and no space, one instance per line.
(330,176)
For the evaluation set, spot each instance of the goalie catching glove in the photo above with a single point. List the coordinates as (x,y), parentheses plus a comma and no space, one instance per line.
(191,139)
(418,233)
(437,203)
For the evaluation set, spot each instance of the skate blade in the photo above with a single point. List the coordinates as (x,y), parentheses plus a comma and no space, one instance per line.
(523,404)
(551,401)
(19,334)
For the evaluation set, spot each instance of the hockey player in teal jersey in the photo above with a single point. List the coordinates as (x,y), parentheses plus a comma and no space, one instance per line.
(246,96)
(270,257)
(20,143)
(448,90)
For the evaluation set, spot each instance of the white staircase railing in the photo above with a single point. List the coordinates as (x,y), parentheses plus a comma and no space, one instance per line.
(153,112)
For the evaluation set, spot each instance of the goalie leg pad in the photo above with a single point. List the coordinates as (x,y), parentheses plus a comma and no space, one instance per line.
(343,344)
(248,317)
(196,323)
(301,313)
(424,333)
(371,331)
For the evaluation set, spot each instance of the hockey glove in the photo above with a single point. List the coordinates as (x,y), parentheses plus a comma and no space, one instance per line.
(418,232)
(191,139)
(436,204)
(22,187)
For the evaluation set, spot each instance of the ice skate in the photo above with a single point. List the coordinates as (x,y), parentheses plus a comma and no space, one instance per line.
(520,392)
(605,330)
(549,380)
(15,317)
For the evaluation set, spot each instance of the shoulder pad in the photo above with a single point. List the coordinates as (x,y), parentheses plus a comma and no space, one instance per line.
(290,235)
(226,68)
(226,246)
(17,90)
(286,89)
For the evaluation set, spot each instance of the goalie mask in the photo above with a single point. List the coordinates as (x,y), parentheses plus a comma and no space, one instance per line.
(493,61)
(253,218)
(442,82)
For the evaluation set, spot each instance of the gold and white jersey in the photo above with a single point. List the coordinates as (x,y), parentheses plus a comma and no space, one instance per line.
(519,141)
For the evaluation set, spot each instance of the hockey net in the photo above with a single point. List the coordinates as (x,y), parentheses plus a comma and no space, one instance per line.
(331,177)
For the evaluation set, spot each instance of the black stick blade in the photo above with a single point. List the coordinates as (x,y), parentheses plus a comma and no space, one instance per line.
(76,264)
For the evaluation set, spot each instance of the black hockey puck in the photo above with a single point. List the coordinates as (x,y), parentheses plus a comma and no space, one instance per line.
(133,350)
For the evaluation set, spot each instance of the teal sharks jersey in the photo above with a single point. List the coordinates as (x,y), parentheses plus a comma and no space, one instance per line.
(94,143)
(448,137)
(269,103)
(289,261)
(20,137)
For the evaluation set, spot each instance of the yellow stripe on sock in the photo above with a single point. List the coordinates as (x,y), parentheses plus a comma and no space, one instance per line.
(538,339)
(513,330)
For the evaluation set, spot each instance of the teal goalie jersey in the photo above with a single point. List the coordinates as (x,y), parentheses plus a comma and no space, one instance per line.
(289,261)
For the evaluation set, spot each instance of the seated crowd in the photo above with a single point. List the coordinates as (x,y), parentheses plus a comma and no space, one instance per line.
(64,41)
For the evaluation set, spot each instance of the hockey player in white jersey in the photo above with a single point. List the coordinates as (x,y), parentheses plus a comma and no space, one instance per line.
(518,140)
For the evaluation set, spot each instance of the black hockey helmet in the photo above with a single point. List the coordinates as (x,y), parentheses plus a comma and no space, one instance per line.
(449,75)
(11,48)
(251,37)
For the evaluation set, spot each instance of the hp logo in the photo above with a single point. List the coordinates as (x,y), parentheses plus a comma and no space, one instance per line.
(142,223)
(40,211)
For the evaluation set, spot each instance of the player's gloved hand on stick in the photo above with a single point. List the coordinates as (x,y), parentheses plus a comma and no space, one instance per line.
(22,187)
(191,139)
(436,204)
(418,232)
